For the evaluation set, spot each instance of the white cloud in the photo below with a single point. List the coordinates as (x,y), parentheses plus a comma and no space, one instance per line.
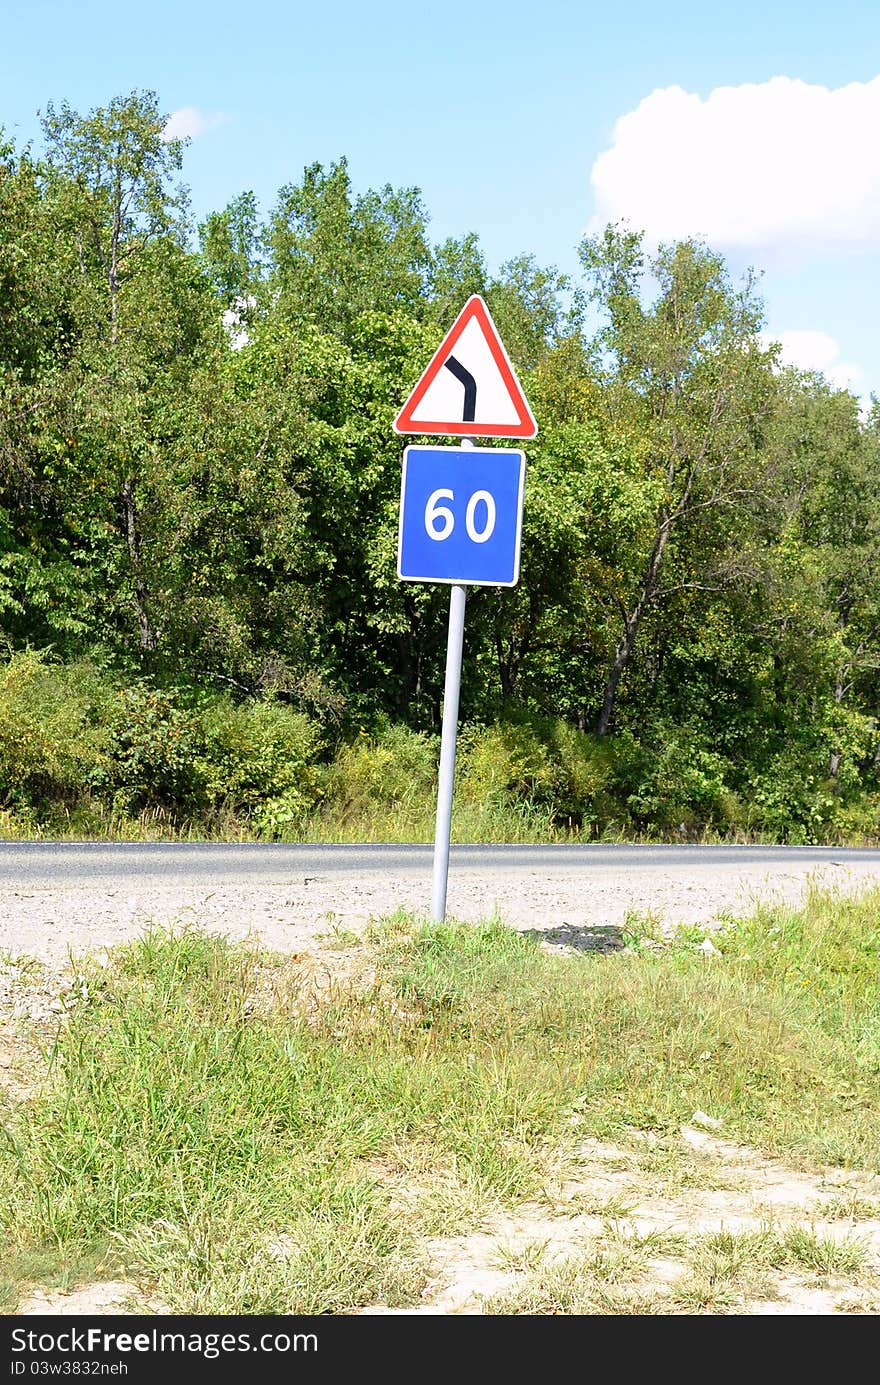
(189,123)
(810,350)
(778,164)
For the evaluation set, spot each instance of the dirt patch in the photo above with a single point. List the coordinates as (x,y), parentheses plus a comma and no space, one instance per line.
(570,937)
(110,1296)
(611,1205)
(33,1002)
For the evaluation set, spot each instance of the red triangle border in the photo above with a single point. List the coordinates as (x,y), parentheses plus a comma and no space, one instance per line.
(525,427)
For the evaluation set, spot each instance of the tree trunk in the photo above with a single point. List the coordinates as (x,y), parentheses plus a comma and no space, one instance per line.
(146,633)
(836,755)
(113,269)
(609,697)
(506,670)
(631,628)
(409,681)
(839,691)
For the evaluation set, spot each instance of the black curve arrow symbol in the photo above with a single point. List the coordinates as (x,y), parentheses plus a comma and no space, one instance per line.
(470,388)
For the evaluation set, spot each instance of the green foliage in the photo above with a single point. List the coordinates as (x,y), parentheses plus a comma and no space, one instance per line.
(50,735)
(542,760)
(202,508)
(232,251)
(676,783)
(396,767)
(80,744)
(793,799)
(152,751)
(258,758)
(254,761)
(71,736)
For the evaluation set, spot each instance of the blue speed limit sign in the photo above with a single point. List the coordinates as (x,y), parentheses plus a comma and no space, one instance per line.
(461,515)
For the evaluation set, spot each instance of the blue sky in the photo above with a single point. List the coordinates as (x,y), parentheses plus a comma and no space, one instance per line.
(524,123)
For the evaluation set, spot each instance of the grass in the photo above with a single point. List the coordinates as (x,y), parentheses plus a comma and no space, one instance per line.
(607,1278)
(715,1273)
(410,818)
(44,1266)
(247,1149)
(848,1204)
(643,1041)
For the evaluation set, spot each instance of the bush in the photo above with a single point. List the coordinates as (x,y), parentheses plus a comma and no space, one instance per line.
(51,736)
(258,758)
(79,752)
(608,786)
(396,768)
(793,799)
(249,758)
(152,749)
(72,739)
(858,822)
(542,761)
(674,782)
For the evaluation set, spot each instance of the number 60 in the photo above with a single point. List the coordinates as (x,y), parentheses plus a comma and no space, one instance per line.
(440,521)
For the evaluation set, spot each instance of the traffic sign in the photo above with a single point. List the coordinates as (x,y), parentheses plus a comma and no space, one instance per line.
(469,388)
(461,515)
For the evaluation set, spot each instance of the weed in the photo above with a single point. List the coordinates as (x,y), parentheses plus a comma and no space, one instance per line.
(823,1255)
(522,1259)
(848,1204)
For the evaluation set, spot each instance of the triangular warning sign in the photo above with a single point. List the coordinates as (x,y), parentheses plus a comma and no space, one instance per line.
(469,389)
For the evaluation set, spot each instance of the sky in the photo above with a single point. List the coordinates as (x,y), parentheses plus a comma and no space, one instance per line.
(754,125)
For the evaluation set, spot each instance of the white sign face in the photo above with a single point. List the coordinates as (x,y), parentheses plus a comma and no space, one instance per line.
(469,389)
(445,396)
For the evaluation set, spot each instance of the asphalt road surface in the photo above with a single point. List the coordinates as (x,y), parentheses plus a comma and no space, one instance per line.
(84,863)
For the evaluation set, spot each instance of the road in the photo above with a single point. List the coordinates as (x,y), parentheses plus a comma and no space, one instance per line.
(77,864)
(62,897)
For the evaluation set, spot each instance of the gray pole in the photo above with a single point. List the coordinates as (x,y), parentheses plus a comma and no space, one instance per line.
(452,687)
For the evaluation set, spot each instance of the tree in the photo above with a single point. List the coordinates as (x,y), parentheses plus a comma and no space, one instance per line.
(336,255)
(526,305)
(457,270)
(110,175)
(233,251)
(121,168)
(823,565)
(685,379)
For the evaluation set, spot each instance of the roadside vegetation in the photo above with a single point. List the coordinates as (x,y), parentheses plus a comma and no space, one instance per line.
(239,1132)
(85,753)
(202,632)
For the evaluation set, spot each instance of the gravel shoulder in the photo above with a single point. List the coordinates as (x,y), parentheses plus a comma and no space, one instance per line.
(290,912)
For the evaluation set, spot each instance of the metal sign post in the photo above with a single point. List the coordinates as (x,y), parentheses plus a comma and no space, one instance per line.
(448,741)
(460,524)
(448,737)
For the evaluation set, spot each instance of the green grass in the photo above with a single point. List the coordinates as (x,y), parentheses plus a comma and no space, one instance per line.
(247,1150)
(410,817)
(51,1270)
(645,1040)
